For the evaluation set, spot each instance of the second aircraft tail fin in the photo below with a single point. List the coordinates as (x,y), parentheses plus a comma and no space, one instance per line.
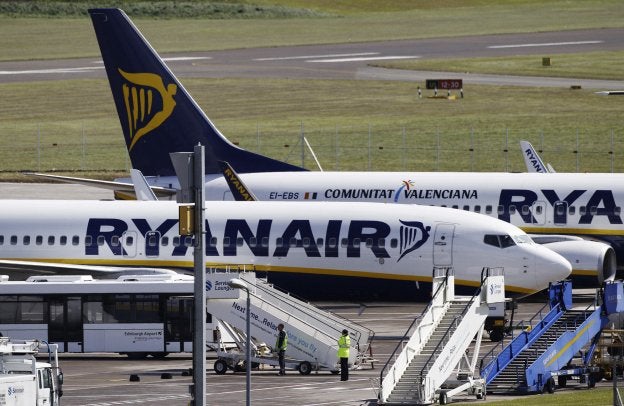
(158,116)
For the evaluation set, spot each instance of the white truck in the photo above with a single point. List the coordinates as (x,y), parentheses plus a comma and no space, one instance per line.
(23,379)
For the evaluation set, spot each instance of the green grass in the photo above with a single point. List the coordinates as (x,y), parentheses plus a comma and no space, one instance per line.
(580,397)
(349,21)
(72,125)
(594,65)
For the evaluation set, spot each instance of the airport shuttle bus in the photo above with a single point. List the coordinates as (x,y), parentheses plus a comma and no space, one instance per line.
(133,315)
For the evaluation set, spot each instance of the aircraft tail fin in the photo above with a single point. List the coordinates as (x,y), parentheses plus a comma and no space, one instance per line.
(158,116)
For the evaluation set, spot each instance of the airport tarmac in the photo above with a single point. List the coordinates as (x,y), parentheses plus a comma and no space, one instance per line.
(104,379)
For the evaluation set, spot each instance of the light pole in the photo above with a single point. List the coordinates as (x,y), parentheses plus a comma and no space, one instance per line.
(240,284)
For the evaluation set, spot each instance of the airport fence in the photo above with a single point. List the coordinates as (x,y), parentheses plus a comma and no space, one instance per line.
(47,147)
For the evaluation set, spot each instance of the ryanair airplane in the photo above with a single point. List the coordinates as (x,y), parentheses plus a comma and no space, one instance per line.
(313,249)
(576,215)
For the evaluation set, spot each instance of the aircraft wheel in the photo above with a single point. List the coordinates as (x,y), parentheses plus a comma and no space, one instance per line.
(304,368)
(220,367)
(550,385)
(591,381)
(496,335)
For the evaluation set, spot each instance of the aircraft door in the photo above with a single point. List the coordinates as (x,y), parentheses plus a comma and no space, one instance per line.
(443,245)
(152,244)
(538,209)
(560,213)
(129,242)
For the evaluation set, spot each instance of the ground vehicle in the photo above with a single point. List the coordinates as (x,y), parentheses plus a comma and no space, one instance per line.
(137,315)
(23,379)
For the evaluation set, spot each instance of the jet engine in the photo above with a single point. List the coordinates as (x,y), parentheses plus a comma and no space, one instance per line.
(586,257)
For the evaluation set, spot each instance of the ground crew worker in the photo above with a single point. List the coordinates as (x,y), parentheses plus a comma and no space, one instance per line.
(344,343)
(280,347)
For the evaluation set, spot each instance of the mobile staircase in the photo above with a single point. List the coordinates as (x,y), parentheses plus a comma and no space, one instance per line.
(312,333)
(439,339)
(547,346)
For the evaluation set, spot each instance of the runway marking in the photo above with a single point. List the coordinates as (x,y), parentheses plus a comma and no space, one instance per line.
(137,401)
(372,58)
(545,44)
(285,58)
(56,70)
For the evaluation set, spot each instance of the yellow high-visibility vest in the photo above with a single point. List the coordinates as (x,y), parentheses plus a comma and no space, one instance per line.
(344,343)
(284,345)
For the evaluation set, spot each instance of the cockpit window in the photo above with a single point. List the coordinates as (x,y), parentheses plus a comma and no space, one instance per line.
(522,239)
(500,241)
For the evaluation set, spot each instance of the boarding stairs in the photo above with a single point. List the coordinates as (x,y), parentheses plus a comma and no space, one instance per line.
(439,340)
(546,347)
(312,333)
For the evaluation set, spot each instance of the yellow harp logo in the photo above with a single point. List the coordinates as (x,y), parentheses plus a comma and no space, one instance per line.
(139,96)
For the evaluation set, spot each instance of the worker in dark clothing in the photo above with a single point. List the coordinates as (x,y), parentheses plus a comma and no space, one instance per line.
(280,347)
(344,343)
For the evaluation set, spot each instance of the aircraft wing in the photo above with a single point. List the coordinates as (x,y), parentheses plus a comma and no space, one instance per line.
(20,270)
(122,190)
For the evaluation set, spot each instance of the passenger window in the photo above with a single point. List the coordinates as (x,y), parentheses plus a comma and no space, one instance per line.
(100,240)
(129,241)
(582,210)
(455,206)
(39,240)
(332,242)
(369,242)
(279,242)
(226,241)
(63,240)
(115,241)
(306,242)
(253,241)
(50,240)
(571,210)
(593,210)
(319,242)
(239,242)
(188,241)
(176,241)
(1,240)
(381,242)
(75,240)
(466,208)
(394,243)
(560,210)
(164,241)
(512,209)
(477,209)
(293,242)
(344,242)
(88,240)
(26,240)
(265,241)
(488,209)
(538,209)
(500,209)
(617,210)
(13,240)
(525,210)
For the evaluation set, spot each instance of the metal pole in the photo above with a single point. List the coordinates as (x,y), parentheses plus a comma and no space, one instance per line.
(248,351)
(199,335)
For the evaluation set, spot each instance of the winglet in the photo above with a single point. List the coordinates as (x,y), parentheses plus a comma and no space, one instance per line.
(142,189)
(532,160)
(237,187)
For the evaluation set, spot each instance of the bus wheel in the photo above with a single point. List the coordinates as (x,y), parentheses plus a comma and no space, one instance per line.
(220,367)
(159,355)
(136,355)
(305,368)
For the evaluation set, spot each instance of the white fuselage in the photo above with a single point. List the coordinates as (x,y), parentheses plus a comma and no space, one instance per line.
(359,239)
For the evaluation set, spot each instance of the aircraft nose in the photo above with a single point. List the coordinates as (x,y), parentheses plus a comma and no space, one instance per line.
(550,267)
